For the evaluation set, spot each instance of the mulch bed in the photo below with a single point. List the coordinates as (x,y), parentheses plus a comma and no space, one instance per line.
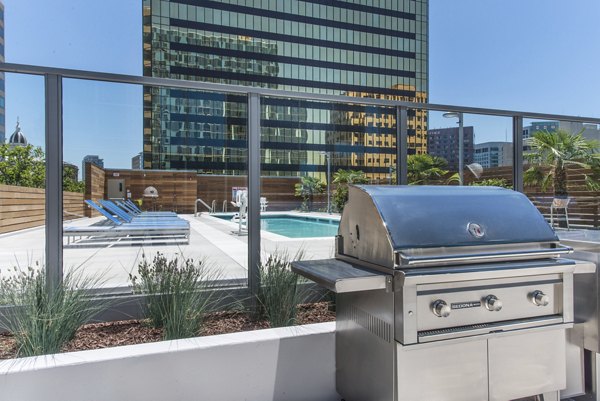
(128,332)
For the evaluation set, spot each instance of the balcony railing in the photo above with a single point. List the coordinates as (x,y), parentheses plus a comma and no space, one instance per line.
(583,211)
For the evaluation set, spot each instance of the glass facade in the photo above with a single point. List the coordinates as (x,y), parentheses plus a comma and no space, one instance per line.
(375,49)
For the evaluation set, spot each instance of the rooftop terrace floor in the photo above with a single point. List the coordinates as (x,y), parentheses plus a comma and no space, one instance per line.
(211,239)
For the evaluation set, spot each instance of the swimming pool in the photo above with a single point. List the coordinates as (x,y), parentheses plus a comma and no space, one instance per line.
(292,226)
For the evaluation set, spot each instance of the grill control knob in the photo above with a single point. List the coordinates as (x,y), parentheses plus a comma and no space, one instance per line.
(440,308)
(539,298)
(492,303)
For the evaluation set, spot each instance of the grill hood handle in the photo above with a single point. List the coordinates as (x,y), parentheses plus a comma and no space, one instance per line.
(403,259)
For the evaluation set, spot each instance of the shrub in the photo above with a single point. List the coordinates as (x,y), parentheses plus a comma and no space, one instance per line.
(42,322)
(178,293)
(280,293)
(491,182)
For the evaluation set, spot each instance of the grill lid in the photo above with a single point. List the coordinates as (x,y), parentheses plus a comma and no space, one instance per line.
(379,221)
(419,217)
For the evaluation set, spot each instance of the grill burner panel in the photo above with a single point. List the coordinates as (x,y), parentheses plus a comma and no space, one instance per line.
(464,289)
(469,306)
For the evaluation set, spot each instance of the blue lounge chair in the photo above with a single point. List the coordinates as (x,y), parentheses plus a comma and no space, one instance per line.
(129,208)
(137,210)
(133,205)
(162,230)
(118,217)
(114,208)
(127,218)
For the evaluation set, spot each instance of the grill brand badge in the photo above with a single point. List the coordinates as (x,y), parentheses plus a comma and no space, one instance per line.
(465,305)
(476,230)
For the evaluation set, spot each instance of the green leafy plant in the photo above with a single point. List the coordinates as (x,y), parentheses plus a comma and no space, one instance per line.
(491,182)
(426,169)
(22,165)
(307,188)
(341,179)
(43,321)
(280,292)
(70,183)
(178,293)
(551,154)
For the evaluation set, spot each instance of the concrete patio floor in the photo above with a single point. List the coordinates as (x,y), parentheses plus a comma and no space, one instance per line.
(211,239)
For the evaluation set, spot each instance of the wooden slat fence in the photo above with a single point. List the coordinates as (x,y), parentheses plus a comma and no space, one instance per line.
(95,179)
(179,190)
(584,207)
(22,207)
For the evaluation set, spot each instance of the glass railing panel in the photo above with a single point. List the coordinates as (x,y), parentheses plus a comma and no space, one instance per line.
(437,161)
(157,169)
(22,173)
(311,152)
(561,173)
(489,157)
(487,151)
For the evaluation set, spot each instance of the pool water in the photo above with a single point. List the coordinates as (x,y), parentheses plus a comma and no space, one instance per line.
(296,226)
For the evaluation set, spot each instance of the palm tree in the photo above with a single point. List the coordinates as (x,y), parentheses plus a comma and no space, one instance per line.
(342,178)
(553,152)
(425,169)
(307,188)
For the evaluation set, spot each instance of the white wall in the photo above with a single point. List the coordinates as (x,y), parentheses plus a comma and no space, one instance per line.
(295,363)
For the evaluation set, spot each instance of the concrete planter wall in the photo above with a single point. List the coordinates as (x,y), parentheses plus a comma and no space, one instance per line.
(293,363)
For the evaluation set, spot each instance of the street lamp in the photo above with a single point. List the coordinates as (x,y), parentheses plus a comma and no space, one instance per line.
(461,144)
(328,157)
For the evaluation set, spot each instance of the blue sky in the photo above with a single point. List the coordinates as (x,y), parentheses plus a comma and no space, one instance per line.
(99,118)
(533,55)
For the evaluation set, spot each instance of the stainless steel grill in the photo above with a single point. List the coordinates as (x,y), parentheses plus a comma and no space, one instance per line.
(447,293)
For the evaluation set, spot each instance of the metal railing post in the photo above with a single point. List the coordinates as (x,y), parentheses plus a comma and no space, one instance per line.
(401,145)
(54,196)
(518,153)
(253,195)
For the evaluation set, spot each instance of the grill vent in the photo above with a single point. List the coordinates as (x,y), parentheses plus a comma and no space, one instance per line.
(373,324)
(455,329)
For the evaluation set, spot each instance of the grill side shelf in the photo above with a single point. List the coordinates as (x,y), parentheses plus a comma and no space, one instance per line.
(341,277)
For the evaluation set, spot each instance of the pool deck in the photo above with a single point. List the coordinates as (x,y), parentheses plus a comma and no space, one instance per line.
(213,239)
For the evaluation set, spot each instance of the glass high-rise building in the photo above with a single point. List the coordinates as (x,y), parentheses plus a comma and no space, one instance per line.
(375,48)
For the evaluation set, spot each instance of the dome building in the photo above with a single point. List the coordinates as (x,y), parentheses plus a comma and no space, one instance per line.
(17,138)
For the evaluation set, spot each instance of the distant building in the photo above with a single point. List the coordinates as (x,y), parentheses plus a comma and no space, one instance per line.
(370,49)
(17,138)
(443,142)
(137,161)
(589,131)
(493,154)
(536,126)
(94,159)
(2,93)
(70,170)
